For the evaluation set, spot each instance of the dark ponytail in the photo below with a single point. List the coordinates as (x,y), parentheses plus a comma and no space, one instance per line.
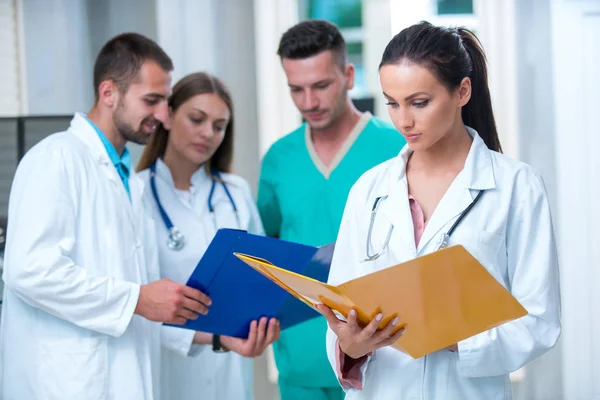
(451,54)
(477,113)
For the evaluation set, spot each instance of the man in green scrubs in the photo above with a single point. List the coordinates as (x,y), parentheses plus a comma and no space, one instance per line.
(305,179)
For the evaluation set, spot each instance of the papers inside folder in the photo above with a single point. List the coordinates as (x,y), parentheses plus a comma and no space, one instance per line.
(442,298)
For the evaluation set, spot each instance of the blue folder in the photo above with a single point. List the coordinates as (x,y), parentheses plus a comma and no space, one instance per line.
(240,294)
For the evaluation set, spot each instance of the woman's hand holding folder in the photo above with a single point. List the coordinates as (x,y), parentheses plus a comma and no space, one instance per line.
(356,341)
(262,334)
(259,338)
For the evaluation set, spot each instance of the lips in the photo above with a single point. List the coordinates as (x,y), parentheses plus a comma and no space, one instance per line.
(202,148)
(314,115)
(412,137)
(150,126)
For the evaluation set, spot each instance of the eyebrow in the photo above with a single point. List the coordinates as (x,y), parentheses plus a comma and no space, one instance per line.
(156,96)
(205,114)
(199,110)
(412,96)
(321,82)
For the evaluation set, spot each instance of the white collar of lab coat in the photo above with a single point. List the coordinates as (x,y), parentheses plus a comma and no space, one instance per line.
(477,174)
(198,177)
(81,128)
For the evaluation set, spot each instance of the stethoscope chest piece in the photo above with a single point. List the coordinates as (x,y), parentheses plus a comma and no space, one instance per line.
(175,240)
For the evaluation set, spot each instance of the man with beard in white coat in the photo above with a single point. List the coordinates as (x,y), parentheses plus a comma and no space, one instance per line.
(81,270)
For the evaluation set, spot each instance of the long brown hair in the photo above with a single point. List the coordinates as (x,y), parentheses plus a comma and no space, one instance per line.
(188,87)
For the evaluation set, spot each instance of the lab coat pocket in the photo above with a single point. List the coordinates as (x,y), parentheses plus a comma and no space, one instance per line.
(488,388)
(74,369)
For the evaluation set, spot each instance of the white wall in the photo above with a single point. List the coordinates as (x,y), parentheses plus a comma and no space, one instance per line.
(108,18)
(236,65)
(10,72)
(377,34)
(277,114)
(534,103)
(187,31)
(57,54)
(576,88)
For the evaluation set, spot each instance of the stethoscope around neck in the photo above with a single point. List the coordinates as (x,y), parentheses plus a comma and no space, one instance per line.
(176,239)
(443,244)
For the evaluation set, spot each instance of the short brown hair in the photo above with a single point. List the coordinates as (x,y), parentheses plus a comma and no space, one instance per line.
(122,57)
(309,38)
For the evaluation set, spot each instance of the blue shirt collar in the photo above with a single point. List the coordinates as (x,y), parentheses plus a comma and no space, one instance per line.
(122,162)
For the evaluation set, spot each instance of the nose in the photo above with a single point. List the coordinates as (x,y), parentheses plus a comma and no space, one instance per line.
(404,119)
(311,101)
(205,130)
(161,112)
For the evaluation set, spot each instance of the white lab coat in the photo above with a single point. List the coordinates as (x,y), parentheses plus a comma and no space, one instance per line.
(77,252)
(509,231)
(195,372)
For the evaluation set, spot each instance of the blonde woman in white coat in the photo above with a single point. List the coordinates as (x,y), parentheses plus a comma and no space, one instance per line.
(188,163)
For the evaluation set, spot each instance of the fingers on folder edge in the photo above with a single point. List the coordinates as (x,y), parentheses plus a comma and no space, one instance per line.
(391,324)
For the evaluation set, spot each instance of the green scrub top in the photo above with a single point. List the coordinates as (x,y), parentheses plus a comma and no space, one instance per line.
(301,200)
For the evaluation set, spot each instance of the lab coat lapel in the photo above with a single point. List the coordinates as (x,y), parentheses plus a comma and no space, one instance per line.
(86,133)
(476,175)
(395,209)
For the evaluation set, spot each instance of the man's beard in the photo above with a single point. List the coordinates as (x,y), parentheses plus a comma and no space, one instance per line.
(137,136)
(336,113)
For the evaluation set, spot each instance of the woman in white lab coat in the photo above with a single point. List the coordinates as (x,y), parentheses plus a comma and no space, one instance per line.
(191,157)
(435,83)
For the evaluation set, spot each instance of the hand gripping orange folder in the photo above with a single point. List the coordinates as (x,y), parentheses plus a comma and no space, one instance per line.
(442,298)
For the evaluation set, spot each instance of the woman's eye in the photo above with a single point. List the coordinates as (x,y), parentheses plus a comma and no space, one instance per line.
(421,104)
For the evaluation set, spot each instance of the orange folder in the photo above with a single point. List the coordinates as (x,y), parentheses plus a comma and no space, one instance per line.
(442,298)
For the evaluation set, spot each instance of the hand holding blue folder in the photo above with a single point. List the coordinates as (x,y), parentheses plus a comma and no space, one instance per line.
(240,294)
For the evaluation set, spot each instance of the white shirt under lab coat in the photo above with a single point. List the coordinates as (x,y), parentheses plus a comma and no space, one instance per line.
(509,231)
(194,372)
(76,254)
